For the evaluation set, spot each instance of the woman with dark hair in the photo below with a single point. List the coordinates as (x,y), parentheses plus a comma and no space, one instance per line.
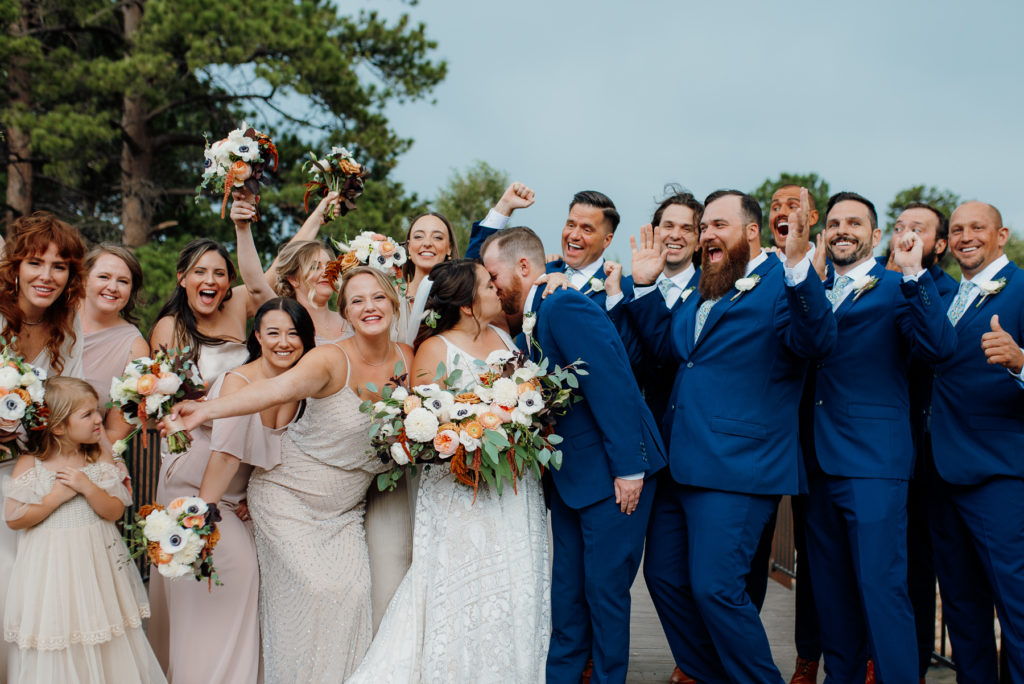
(474,606)
(110,339)
(429,242)
(204,634)
(205,313)
(40,290)
(315,609)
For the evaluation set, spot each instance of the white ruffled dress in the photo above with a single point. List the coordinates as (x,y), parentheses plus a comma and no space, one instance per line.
(76,603)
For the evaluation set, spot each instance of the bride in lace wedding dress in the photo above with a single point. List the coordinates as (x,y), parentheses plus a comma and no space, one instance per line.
(474,606)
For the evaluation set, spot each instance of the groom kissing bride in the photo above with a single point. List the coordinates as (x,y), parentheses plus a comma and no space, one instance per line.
(601,497)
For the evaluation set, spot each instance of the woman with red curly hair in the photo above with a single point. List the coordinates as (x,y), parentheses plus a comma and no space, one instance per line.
(41,286)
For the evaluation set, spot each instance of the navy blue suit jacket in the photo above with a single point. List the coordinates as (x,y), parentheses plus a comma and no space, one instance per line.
(977,420)
(655,378)
(611,433)
(733,419)
(858,424)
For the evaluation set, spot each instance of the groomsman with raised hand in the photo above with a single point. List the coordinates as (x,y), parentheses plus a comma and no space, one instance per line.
(743,345)
(932,226)
(601,498)
(587,233)
(858,447)
(977,425)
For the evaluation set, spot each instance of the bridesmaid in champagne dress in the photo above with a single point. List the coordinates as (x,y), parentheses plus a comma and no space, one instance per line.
(307,512)
(110,340)
(214,631)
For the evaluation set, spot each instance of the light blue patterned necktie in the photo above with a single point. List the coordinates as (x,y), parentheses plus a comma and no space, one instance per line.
(665,286)
(836,292)
(959,305)
(702,316)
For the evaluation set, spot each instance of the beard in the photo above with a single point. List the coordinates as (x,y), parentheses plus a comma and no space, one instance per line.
(862,251)
(511,299)
(717,279)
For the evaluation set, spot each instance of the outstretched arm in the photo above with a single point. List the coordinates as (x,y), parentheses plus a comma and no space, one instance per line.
(255,286)
(516,196)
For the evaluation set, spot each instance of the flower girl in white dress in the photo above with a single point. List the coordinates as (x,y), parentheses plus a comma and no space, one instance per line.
(75,605)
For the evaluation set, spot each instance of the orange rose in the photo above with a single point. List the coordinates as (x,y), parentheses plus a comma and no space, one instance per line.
(467,398)
(504,414)
(349,260)
(474,429)
(193,521)
(447,426)
(489,420)
(527,386)
(241,171)
(386,248)
(411,403)
(446,442)
(147,384)
(212,539)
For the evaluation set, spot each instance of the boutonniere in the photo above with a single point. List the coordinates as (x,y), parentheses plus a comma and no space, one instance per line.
(529,323)
(989,288)
(596,284)
(863,284)
(686,293)
(745,285)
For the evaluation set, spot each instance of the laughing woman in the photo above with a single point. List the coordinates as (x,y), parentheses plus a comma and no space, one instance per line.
(40,289)
(212,634)
(307,512)
(430,241)
(112,284)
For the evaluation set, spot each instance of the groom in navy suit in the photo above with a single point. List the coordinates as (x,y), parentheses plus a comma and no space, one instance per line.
(588,231)
(601,496)
(977,424)
(742,346)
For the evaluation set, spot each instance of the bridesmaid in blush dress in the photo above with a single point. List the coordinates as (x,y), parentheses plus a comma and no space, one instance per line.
(213,632)
(315,612)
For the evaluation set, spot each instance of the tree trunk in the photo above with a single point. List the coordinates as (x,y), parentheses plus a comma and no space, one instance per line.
(136,153)
(19,147)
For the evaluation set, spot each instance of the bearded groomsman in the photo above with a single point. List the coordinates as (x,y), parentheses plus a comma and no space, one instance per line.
(932,226)
(858,447)
(742,346)
(587,233)
(977,426)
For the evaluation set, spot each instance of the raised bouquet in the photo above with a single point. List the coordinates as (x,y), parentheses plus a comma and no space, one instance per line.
(337,172)
(239,160)
(150,387)
(179,539)
(373,250)
(494,426)
(22,402)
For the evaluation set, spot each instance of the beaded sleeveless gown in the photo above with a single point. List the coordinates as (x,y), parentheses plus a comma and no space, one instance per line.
(474,607)
(307,515)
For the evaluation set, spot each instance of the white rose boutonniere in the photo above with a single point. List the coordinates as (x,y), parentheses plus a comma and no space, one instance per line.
(989,288)
(686,293)
(862,285)
(596,285)
(745,285)
(529,323)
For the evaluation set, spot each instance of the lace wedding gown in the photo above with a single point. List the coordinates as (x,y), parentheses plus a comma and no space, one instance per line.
(474,606)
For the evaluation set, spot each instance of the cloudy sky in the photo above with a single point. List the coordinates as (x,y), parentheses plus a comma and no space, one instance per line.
(624,97)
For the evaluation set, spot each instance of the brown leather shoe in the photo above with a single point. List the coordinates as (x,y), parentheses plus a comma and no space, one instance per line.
(680,677)
(806,671)
(588,671)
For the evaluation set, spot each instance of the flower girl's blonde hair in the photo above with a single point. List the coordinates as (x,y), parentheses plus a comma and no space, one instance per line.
(63,396)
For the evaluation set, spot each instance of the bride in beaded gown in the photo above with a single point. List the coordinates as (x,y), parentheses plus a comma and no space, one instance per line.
(307,512)
(474,606)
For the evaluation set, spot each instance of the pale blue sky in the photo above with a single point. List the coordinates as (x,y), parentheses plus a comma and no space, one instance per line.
(625,97)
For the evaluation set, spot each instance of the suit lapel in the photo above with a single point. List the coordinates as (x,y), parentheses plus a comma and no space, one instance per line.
(727,301)
(876,272)
(977,305)
(587,287)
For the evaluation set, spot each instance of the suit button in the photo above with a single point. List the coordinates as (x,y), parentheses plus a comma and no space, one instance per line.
(690,364)
(819,402)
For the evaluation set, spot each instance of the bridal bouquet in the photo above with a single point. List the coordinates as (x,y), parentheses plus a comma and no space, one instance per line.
(373,250)
(150,387)
(495,426)
(22,402)
(238,160)
(337,172)
(179,540)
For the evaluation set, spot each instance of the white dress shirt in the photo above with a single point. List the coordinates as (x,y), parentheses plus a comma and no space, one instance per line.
(989,273)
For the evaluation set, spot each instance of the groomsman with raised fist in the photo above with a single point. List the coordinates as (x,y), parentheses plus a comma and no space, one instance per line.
(742,344)
(857,444)
(588,231)
(977,425)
